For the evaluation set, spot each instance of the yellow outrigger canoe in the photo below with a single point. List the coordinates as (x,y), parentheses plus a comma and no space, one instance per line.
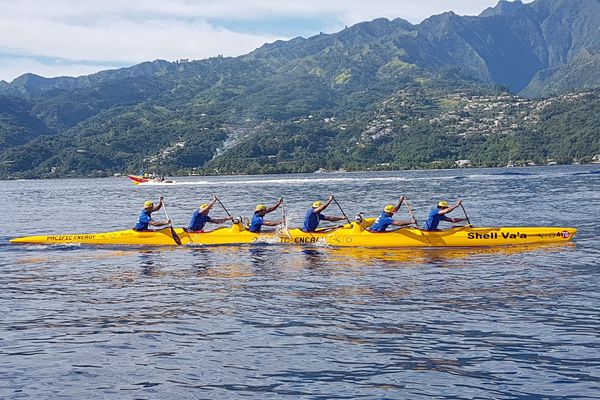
(235,234)
(354,235)
(464,236)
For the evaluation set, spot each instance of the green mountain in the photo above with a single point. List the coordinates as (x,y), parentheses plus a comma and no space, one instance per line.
(561,36)
(379,94)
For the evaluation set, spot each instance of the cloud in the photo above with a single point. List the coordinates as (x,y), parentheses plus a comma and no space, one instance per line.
(13,67)
(125,40)
(83,33)
(343,10)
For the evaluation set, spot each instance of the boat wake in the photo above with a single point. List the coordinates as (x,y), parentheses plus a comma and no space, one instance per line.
(292,181)
(53,247)
(298,181)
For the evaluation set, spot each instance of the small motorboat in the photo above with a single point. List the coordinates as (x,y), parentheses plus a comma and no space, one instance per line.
(148,179)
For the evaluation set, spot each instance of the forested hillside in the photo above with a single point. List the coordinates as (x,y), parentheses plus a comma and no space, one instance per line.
(380,94)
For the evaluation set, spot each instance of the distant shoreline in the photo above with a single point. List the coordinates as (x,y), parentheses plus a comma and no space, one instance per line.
(315,173)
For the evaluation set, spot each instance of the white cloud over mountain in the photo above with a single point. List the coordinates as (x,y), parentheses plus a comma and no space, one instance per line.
(74,37)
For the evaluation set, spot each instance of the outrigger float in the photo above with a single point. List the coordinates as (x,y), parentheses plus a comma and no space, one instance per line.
(349,235)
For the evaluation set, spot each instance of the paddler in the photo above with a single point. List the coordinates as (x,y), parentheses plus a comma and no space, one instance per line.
(439,214)
(385,218)
(145,217)
(201,217)
(259,213)
(313,216)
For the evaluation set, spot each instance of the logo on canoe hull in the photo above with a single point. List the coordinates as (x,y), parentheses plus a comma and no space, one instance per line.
(300,240)
(494,235)
(69,238)
(552,235)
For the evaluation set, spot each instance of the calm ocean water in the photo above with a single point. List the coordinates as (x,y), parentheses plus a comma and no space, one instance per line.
(271,322)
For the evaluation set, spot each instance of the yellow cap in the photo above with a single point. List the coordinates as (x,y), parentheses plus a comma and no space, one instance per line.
(260,207)
(443,204)
(148,204)
(389,208)
(203,205)
(317,204)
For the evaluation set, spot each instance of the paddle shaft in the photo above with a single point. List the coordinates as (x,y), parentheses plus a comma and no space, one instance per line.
(343,213)
(173,233)
(416,223)
(285,225)
(411,214)
(284,216)
(223,206)
(466,216)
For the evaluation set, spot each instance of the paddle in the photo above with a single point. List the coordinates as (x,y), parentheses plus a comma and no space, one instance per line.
(410,212)
(175,237)
(343,213)
(284,217)
(416,223)
(219,201)
(466,216)
(285,225)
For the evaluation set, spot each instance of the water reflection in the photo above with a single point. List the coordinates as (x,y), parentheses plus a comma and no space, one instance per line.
(147,260)
(314,257)
(429,256)
(274,321)
(259,256)
(201,259)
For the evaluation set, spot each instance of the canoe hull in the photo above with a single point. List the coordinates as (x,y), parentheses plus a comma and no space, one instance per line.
(224,236)
(161,237)
(456,237)
(297,236)
(354,236)
(235,235)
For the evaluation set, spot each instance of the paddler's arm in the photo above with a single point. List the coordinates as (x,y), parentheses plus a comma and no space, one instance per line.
(159,223)
(274,207)
(324,206)
(273,223)
(210,204)
(399,204)
(454,220)
(334,219)
(160,204)
(220,220)
(450,209)
(404,223)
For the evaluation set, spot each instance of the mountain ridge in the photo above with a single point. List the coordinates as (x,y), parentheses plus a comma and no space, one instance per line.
(207,115)
(488,62)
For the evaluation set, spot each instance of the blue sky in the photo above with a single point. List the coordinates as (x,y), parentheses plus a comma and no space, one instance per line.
(79,37)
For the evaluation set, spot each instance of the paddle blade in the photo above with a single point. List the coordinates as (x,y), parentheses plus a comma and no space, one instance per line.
(175,237)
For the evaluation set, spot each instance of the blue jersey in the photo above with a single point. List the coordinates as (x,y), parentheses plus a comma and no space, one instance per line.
(381,223)
(311,220)
(256,223)
(198,221)
(143,220)
(433,219)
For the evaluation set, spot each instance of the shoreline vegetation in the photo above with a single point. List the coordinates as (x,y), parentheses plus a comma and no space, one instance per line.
(388,168)
(566,131)
(409,129)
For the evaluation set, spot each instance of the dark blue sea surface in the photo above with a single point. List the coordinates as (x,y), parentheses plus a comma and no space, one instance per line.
(276,321)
